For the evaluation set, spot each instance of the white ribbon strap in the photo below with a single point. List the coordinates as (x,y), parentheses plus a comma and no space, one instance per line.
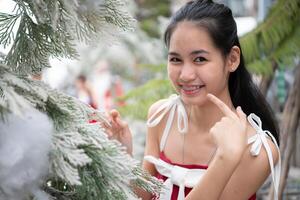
(172,104)
(176,175)
(259,140)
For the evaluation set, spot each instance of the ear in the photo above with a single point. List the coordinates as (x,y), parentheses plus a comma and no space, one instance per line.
(233,59)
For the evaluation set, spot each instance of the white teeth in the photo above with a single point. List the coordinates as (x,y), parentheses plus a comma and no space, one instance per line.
(191,87)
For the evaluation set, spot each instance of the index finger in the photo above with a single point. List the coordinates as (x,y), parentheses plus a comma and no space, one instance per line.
(114,113)
(222,106)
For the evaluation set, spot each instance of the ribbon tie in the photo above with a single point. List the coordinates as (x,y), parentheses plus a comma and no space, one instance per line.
(176,175)
(259,140)
(173,104)
(184,177)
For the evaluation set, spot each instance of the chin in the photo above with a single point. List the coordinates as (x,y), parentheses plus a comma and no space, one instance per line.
(197,100)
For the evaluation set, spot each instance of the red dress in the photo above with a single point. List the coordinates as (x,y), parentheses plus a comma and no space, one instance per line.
(175,187)
(174,107)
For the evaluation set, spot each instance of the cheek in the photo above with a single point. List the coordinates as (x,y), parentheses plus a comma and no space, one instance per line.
(212,75)
(173,73)
(216,81)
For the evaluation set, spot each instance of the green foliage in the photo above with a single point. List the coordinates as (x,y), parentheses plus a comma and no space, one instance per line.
(150,27)
(275,40)
(139,100)
(263,66)
(148,14)
(154,68)
(289,49)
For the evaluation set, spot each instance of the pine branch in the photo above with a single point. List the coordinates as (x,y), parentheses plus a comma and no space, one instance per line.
(83,161)
(86,162)
(7,22)
(51,28)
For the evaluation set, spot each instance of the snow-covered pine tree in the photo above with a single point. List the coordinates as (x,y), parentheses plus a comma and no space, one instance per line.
(83,162)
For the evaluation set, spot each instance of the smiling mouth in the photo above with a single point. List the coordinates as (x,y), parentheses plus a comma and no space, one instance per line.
(191,89)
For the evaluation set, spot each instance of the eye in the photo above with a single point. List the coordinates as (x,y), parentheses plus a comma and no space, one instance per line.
(174,60)
(200,59)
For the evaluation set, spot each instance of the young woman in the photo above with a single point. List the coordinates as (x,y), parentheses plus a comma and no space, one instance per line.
(206,143)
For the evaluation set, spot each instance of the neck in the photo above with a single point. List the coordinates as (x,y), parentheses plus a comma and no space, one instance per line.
(207,114)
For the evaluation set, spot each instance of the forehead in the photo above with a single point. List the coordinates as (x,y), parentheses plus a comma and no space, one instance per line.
(188,36)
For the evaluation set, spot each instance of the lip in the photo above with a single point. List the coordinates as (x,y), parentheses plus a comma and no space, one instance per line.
(190,90)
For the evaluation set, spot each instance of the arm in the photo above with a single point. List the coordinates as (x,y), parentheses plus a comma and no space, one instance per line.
(151,148)
(231,139)
(234,173)
(250,174)
(152,140)
(230,179)
(215,179)
(120,131)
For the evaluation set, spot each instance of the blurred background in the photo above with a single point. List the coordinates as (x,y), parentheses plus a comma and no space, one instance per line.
(128,72)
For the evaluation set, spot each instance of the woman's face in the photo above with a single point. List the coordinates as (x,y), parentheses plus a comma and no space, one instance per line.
(195,66)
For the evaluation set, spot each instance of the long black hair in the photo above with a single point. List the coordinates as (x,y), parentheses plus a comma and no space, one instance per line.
(217,19)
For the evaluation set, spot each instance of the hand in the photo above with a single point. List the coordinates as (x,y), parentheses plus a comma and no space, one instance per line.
(119,130)
(230,133)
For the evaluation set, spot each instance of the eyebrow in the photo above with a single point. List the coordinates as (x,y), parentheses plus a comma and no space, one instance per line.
(192,53)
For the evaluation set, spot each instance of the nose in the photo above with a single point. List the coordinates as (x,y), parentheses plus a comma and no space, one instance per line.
(187,73)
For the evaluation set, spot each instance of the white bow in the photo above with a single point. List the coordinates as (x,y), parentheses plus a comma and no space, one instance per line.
(176,175)
(172,103)
(259,140)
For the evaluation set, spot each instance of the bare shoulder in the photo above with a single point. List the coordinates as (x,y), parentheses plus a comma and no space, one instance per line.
(153,138)
(263,153)
(158,129)
(251,172)
(154,133)
(153,108)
